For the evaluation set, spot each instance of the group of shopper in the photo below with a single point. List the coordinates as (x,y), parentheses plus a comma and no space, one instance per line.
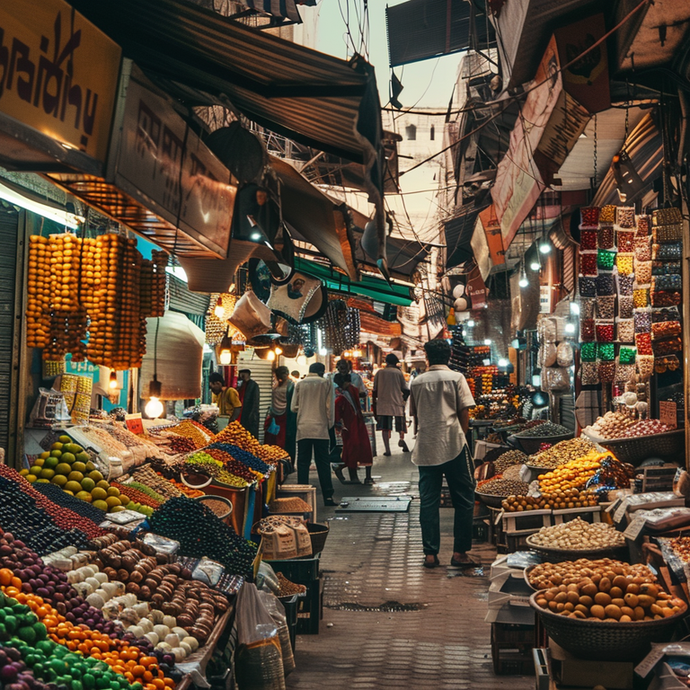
(304,416)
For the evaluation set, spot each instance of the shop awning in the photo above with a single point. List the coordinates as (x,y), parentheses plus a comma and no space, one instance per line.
(369,286)
(313,98)
(459,232)
(313,217)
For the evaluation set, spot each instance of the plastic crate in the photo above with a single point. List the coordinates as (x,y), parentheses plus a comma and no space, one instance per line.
(310,609)
(303,571)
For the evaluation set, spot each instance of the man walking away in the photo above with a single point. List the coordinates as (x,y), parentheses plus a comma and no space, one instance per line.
(249,396)
(439,402)
(313,401)
(390,395)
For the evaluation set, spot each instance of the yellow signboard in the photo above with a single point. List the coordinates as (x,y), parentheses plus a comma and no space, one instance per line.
(58,73)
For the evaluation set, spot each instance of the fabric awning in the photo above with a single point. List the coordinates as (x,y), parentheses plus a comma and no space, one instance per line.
(313,98)
(313,217)
(369,286)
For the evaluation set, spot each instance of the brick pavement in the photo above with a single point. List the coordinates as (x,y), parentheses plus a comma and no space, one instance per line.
(388,622)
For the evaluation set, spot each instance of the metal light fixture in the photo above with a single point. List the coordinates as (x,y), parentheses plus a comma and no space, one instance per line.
(59,215)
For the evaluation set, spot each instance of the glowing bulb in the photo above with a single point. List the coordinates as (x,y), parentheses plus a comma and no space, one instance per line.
(255,236)
(278,350)
(356,353)
(231,289)
(523,282)
(225,357)
(271,355)
(536,380)
(323,351)
(470,323)
(503,362)
(570,328)
(535,265)
(302,359)
(574,308)
(487,341)
(544,247)
(219,309)
(154,408)
(112,383)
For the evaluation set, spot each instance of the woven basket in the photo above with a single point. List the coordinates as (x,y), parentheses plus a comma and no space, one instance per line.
(318,534)
(597,640)
(640,448)
(557,555)
(223,515)
(489,500)
(531,444)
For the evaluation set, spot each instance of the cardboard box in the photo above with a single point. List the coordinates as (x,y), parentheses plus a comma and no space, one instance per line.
(513,615)
(509,588)
(570,671)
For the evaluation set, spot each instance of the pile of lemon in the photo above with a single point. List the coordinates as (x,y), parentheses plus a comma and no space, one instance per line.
(69,466)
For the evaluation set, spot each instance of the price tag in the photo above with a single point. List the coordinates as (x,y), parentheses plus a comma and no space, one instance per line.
(668,414)
(634,529)
(620,511)
(134,423)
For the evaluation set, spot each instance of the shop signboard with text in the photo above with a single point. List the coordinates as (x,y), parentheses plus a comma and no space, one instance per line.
(58,74)
(162,163)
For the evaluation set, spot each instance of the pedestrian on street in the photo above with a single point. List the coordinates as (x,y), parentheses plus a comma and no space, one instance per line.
(389,397)
(280,415)
(249,393)
(344,366)
(350,421)
(314,403)
(439,402)
(226,398)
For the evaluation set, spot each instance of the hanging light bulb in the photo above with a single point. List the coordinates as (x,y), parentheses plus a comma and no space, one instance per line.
(278,350)
(112,383)
(225,357)
(487,341)
(271,356)
(231,289)
(535,265)
(570,327)
(219,309)
(523,278)
(302,360)
(470,323)
(575,308)
(154,407)
(502,362)
(544,247)
(357,353)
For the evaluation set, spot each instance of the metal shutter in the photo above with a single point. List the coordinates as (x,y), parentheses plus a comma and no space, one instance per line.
(8,276)
(262,373)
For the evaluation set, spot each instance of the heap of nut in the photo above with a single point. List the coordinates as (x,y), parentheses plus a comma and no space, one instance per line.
(502,487)
(611,425)
(561,453)
(610,597)
(509,459)
(578,535)
(547,575)
(562,500)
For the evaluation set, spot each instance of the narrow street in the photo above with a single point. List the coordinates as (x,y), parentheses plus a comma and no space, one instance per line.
(387,621)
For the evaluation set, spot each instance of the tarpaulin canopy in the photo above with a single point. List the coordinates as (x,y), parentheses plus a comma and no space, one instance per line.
(369,286)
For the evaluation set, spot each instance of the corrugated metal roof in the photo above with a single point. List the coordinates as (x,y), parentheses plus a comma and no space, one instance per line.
(313,98)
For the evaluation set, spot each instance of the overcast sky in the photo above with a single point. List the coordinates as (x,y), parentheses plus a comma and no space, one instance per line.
(428,83)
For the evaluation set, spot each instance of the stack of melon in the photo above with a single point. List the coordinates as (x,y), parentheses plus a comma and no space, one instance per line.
(69,466)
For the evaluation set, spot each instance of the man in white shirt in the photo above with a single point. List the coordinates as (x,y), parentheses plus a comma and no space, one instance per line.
(313,401)
(439,402)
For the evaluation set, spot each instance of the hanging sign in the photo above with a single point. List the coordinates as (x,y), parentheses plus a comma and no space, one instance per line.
(492,229)
(58,73)
(134,423)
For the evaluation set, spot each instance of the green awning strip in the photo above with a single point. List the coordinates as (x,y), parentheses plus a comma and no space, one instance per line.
(375,288)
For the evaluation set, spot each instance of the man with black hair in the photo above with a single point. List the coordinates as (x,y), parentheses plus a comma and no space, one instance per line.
(248,390)
(439,402)
(313,401)
(389,397)
(226,399)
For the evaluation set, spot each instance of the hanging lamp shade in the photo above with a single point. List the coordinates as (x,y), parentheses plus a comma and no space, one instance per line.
(239,150)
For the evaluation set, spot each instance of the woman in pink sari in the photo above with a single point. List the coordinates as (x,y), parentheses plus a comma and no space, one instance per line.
(349,419)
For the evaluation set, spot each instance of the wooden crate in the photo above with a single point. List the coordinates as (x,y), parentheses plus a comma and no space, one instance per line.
(516,541)
(304,491)
(588,514)
(511,649)
(529,519)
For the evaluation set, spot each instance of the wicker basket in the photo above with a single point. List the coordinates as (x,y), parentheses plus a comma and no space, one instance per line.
(318,534)
(531,444)
(489,500)
(557,555)
(597,640)
(640,448)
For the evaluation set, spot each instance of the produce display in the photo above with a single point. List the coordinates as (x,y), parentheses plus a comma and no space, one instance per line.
(681,547)
(570,498)
(645,427)
(610,599)
(547,575)
(546,429)
(578,535)
(502,487)
(610,425)
(235,434)
(561,453)
(595,470)
(509,459)
(288,588)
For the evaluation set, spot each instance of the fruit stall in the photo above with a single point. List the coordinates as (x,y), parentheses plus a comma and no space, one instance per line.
(593,562)
(115,565)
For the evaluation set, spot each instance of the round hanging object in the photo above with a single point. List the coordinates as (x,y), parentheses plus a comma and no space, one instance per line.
(317,305)
(239,150)
(458,290)
(290,350)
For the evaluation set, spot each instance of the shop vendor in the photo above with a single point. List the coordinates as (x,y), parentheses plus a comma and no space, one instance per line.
(225,397)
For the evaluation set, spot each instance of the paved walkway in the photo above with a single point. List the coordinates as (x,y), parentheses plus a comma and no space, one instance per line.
(388,622)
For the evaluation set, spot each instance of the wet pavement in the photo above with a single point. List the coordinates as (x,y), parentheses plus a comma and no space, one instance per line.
(388,622)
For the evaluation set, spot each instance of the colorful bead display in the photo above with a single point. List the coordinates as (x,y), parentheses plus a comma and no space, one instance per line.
(587,307)
(586,330)
(665,329)
(665,299)
(607,214)
(588,352)
(626,331)
(625,240)
(670,282)
(643,248)
(606,284)
(641,298)
(627,355)
(588,239)
(607,371)
(606,260)
(625,307)
(624,372)
(606,352)
(645,366)
(624,263)
(643,321)
(605,332)
(589,373)
(588,285)
(625,285)
(606,237)
(606,307)
(588,264)
(590,216)
(643,226)
(643,342)
(643,272)
(625,216)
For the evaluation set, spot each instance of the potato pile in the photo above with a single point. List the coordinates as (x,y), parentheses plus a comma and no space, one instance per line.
(578,535)
(561,500)
(561,453)
(547,575)
(612,598)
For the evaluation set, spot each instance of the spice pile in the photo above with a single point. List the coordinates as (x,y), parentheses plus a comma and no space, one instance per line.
(508,459)
(543,430)
(561,453)
(288,588)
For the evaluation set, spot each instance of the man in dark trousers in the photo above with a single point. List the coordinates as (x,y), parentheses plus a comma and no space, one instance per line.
(249,395)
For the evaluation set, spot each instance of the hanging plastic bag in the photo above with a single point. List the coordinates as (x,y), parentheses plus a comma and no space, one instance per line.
(564,355)
(555,379)
(273,427)
(50,408)
(277,611)
(259,657)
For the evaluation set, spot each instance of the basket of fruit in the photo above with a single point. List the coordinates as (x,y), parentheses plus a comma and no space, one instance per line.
(493,491)
(637,449)
(530,440)
(587,621)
